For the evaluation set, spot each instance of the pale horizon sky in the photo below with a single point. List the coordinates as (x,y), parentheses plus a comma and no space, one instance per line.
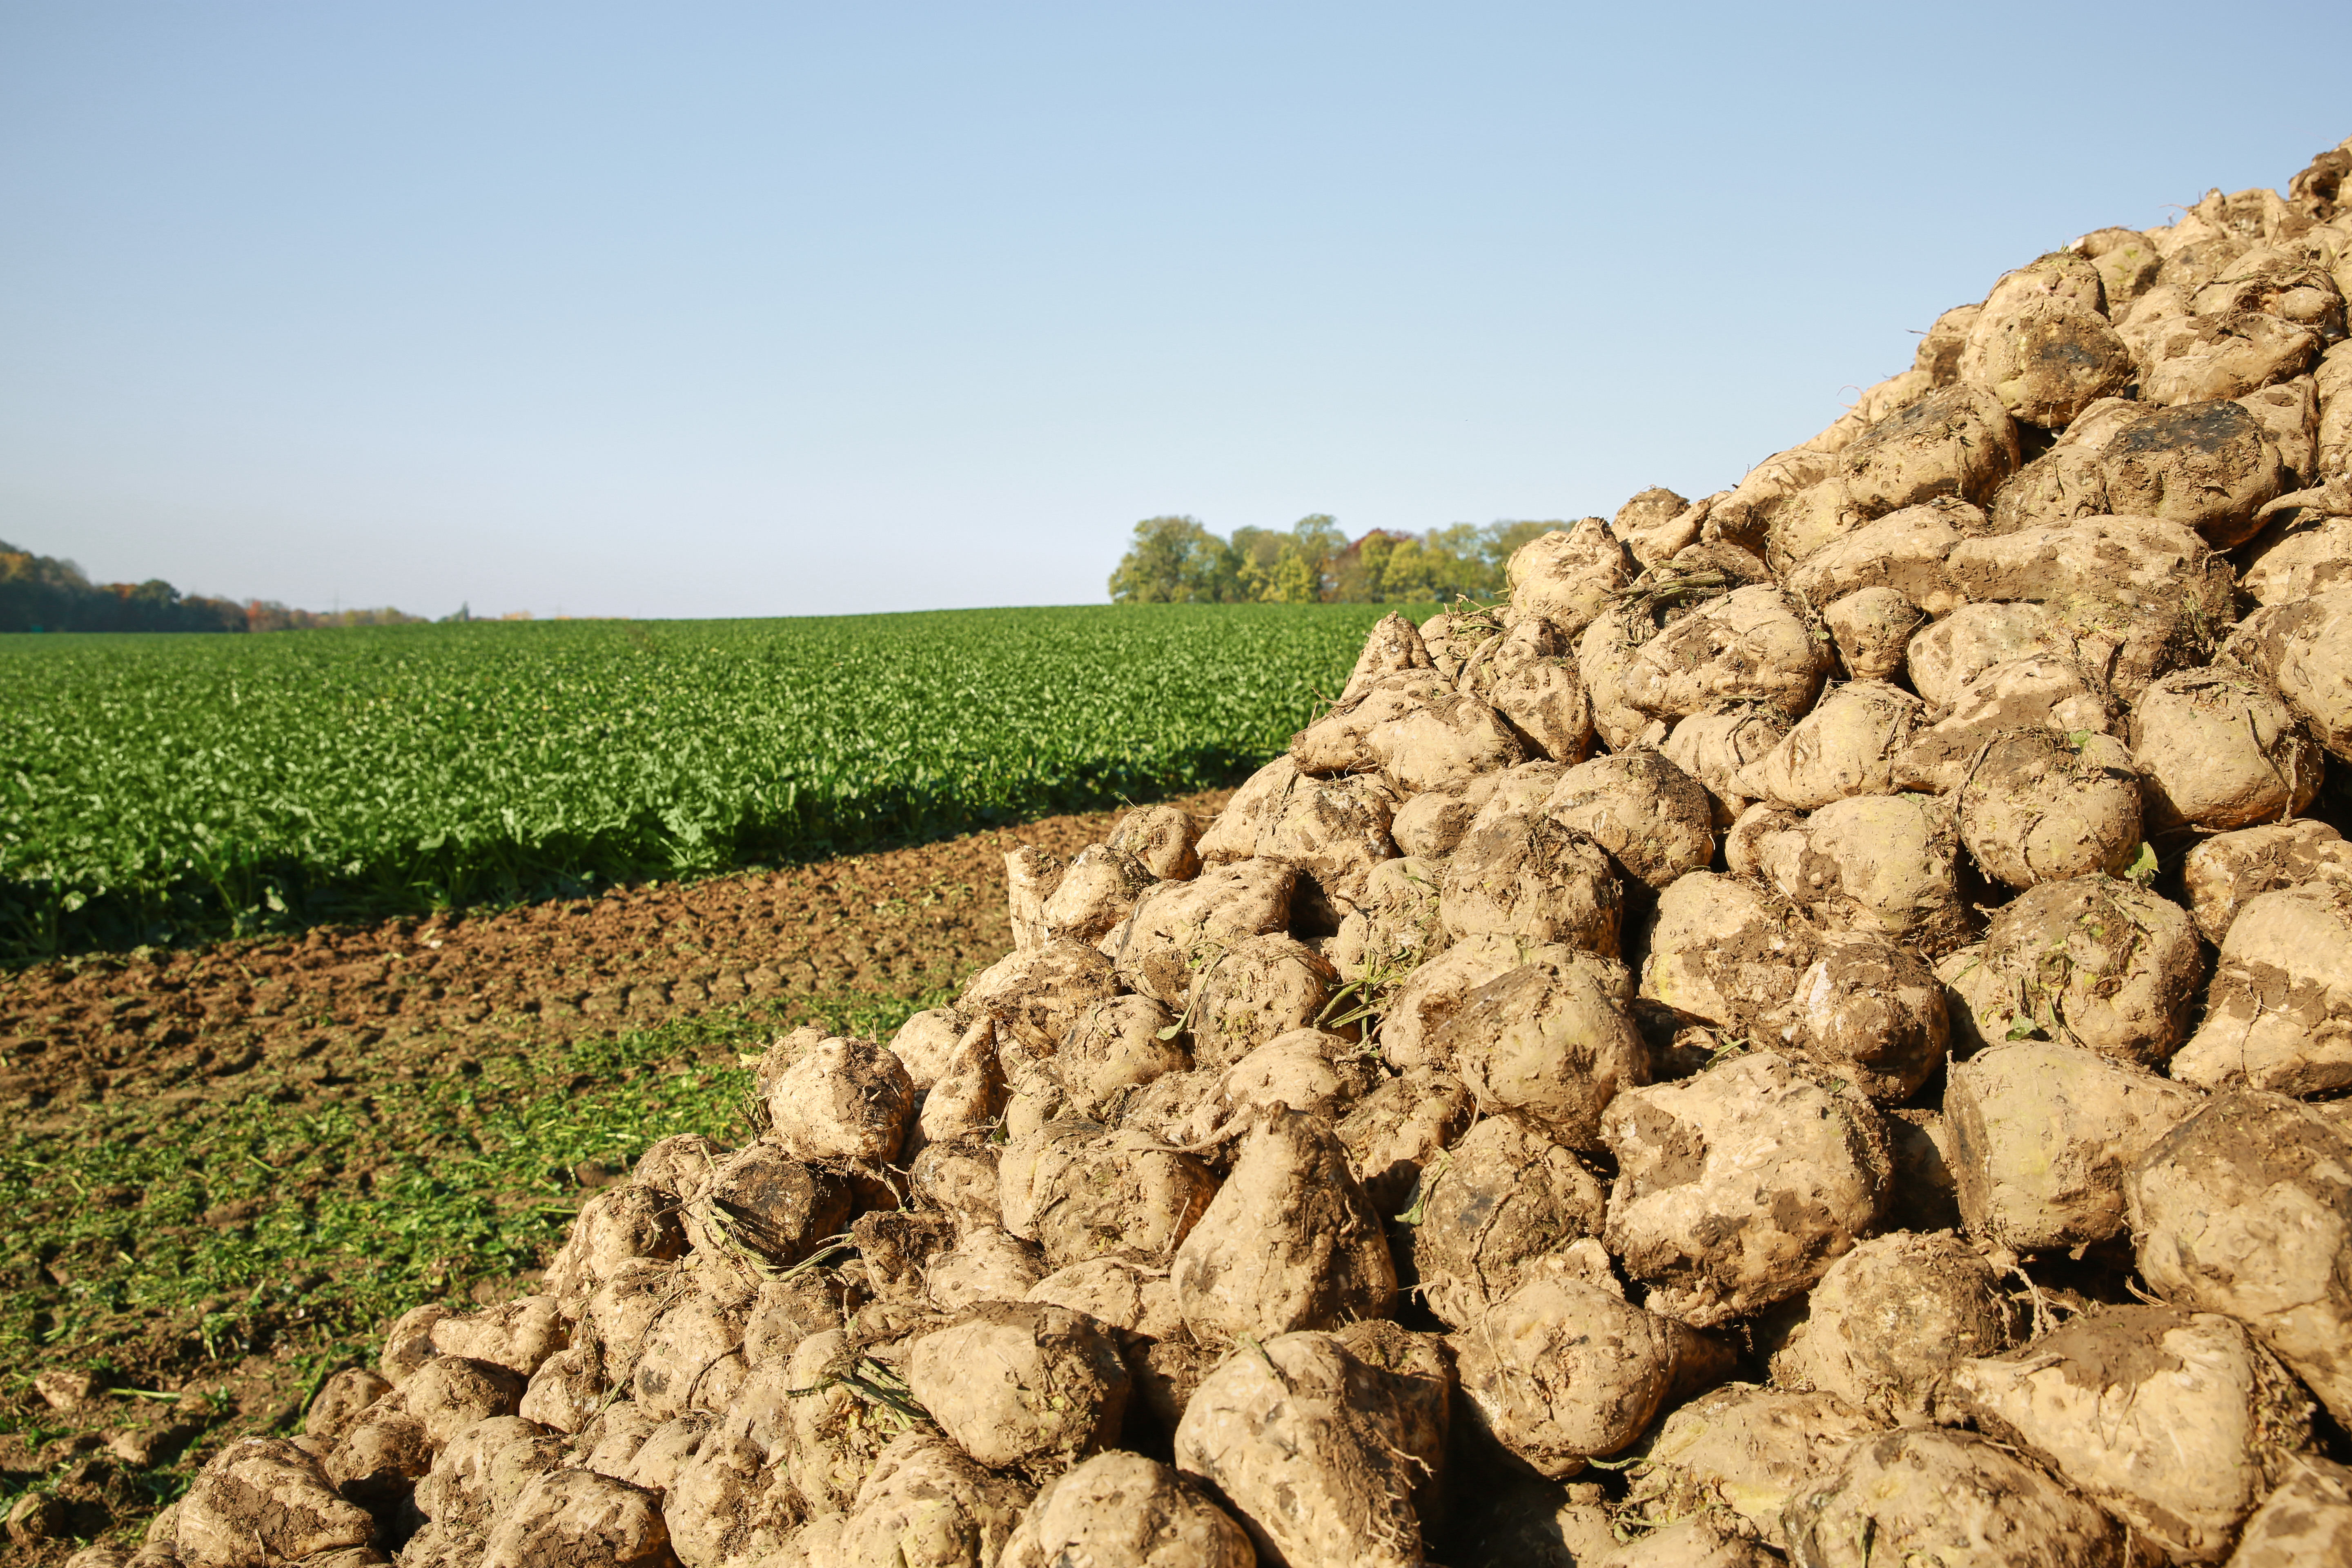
(728,310)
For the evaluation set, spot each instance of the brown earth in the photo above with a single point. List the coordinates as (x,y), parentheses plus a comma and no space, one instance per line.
(406,993)
(327,1018)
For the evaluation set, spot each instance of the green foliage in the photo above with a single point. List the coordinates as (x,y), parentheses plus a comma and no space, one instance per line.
(360,1203)
(42,594)
(158,788)
(1175,560)
(162,1234)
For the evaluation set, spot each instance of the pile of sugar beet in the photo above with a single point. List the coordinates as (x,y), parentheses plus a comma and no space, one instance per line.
(1808,1034)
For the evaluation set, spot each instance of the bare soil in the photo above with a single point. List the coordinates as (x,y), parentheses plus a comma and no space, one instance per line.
(390,1029)
(406,994)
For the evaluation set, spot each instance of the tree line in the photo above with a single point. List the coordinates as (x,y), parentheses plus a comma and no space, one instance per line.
(43,594)
(1175,560)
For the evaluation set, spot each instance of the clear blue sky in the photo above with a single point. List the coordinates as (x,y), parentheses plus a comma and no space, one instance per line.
(712,308)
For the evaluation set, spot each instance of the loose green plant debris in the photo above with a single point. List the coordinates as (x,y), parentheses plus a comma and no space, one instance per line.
(160,788)
(170,1239)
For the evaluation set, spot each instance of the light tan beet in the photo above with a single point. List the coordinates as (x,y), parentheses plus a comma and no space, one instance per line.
(1903,551)
(1432,823)
(2229,870)
(986,1265)
(2246,1209)
(1846,746)
(2174,1422)
(1564,1369)
(1396,923)
(2053,691)
(1653,819)
(2307,1520)
(1115,1048)
(1098,891)
(1565,576)
(1727,952)
(1490,1209)
(2219,750)
(1884,866)
(2304,647)
(573,1515)
(846,1099)
(1153,952)
(731,1496)
(1022,1384)
(1307,1444)
(1551,1041)
(264,1496)
(2042,1136)
(1655,524)
(1949,653)
(1525,877)
(340,1402)
(1165,838)
(1123,1510)
(1333,830)
(1753,644)
(1891,1319)
(1034,995)
(1081,1191)
(1716,744)
(1397,1129)
(1426,997)
(1957,441)
(1305,1070)
(1753,1450)
(2091,960)
(2041,807)
(1291,1240)
(1718,1232)
(2278,1014)
(926,1041)
(1248,992)
(1413,727)
(1949,1498)
(924,1505)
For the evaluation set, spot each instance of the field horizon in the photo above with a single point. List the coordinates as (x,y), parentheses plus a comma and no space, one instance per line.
(169,788)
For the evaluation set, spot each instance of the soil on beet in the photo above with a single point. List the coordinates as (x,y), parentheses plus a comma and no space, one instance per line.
(228,1167)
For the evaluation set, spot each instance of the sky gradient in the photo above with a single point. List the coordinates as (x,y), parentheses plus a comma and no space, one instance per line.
(720,310)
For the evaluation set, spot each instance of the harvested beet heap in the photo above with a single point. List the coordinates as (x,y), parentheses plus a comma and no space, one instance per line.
(1805,1035)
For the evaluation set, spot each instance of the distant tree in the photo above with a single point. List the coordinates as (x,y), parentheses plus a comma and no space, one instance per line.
(1259,554)
(1438,565)
(1317,539)
(1212,574)
(38,593)
(1357,572)
(1160,566)
(41,594)
(1173,559)
(1292,568)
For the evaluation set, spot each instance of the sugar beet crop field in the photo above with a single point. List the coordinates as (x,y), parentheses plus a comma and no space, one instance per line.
(157,789)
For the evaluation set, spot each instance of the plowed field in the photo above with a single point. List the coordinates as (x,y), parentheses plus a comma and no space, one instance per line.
(228,1167)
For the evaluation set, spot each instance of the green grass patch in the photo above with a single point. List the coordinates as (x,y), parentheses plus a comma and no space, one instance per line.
(157,1240)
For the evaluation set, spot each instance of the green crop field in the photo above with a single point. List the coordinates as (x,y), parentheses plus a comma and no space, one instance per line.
(154,788)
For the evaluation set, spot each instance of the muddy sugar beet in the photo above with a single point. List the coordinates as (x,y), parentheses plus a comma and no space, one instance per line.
(1808,1033)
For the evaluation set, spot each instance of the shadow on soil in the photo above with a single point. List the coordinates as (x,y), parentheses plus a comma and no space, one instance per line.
(237,892)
